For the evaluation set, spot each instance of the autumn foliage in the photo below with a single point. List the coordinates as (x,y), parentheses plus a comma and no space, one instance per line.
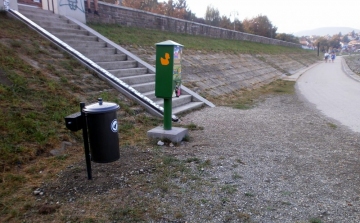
(177,9)
(259,25)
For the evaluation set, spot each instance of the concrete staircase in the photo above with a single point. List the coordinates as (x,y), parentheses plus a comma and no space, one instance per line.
(111,57)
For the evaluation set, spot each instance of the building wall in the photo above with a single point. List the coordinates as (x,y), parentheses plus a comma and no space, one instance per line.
(114,14)
(31,2)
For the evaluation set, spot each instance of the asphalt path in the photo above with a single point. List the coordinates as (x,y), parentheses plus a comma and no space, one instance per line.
(333,92)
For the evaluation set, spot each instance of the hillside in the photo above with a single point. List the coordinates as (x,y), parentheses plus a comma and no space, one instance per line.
(40,85)
(215,67)
(326,31)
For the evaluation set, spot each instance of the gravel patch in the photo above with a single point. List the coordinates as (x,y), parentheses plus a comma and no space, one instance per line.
(281,161)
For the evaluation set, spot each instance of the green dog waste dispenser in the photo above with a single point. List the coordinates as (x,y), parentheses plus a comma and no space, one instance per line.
(168,76)
(168,69)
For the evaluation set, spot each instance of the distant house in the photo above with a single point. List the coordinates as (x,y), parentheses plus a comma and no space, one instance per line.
(354,44)
(304,42)
(343,45)
(350,38)
(327,37)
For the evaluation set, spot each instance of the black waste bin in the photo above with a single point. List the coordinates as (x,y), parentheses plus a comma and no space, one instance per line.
(103,131)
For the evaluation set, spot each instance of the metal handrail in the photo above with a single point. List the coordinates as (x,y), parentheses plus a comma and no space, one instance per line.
(89,63)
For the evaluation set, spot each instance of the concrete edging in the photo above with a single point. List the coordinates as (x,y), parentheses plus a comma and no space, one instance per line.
(348,71)
(297,75)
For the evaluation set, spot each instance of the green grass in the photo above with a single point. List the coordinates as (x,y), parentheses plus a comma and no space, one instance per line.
(247,194)
(236,176)
(193,159)
(33,107)
(247,99)
(193,126)
(332,125)
(146,37)
(228,189)
(315,220)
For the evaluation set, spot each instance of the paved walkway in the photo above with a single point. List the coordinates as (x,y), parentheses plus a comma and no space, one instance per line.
(334,91)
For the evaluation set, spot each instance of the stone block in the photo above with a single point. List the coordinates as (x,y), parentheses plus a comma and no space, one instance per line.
(175,135)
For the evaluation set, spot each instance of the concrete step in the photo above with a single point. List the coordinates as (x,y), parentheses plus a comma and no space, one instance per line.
(120,73)
(70,31)
(139,79)
(145,87)
(97,51)
(39,12)
(150,95)
(35,11)
(63,24)
(77,44)
(177,101)
(46,18)
(41,17)
(108,58)
(65,37)
(187,107)
(118,64)
(29,9)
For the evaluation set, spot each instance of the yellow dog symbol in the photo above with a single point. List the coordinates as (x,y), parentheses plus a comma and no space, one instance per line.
(165,61)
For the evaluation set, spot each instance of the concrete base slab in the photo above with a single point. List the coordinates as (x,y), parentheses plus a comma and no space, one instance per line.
(176,134)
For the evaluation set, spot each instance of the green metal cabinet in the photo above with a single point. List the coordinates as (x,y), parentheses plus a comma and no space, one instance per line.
(168,69)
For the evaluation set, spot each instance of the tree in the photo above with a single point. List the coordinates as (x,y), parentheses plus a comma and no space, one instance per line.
(177,9)
(225,23)
(189,15)
(287,37)
(238,25)
(334,42)
(260,25)
(146,5)
(212,16)
(324,44)
(345,39)
(171,8)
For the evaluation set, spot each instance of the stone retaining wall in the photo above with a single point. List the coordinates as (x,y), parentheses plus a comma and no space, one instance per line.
(216,74)
(114,14)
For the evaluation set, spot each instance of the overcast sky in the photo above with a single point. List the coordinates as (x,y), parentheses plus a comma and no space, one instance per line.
(290,16)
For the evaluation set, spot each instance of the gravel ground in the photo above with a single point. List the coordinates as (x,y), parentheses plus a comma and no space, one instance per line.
(281,161)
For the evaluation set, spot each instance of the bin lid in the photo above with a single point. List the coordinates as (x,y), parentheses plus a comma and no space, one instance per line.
(101,107)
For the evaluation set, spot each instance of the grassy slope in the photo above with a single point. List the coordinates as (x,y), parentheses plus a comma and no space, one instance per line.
(37,91)
(39,86)
(129,36)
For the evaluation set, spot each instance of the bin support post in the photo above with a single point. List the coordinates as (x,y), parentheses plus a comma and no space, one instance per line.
(86,142)
(167,113)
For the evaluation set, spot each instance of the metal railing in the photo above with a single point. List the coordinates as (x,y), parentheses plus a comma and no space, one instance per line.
(156,109)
